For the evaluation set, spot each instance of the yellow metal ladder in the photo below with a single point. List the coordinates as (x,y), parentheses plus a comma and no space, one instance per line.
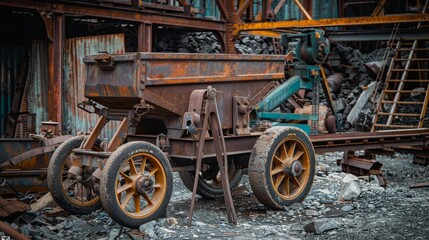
(404,99)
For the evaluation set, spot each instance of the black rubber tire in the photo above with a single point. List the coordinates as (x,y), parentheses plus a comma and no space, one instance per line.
(55,169)
(260,163)
(109,177)
(206,191)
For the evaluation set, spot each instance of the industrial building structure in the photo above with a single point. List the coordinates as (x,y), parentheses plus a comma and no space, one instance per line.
(43,72)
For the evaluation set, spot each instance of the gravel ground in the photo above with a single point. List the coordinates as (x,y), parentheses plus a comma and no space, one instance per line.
(396,212)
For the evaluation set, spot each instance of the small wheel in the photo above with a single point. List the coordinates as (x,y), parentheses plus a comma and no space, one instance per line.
(136,184)
(282,167)
(76,195)
(210,182)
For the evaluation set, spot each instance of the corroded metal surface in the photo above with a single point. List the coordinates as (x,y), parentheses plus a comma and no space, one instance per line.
(166,80)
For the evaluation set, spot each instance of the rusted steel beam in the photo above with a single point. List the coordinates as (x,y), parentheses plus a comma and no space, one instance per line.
(9,231)
(243,6)
(222,8)
(378,9)
(122,13)
(186,6)
(303,10)
(373,140)
(336,22)
(58,46)
(144,36)
(279,6)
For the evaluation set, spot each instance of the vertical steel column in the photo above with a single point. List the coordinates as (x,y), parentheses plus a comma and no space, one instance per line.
(144,37)
(57,58)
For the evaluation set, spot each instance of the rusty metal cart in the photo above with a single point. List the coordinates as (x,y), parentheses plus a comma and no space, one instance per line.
(207,116)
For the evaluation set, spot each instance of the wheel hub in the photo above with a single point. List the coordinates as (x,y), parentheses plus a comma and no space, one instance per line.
(144,185)
(294,169)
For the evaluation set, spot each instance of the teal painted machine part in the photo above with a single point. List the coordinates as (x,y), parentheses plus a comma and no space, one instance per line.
(282,93)
(286,116)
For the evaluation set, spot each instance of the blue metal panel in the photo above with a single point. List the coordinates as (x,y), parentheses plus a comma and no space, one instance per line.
(74,119)
(10,60)
(325,9)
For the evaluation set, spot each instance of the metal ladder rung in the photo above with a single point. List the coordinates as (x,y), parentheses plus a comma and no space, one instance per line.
(404,91)
(408,80)
(410,70)
(399,114)
(394,126)
(412,49)
(399,103)
(412,59)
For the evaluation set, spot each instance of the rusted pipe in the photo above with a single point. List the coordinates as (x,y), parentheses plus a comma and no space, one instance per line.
(335,80)
(11,232)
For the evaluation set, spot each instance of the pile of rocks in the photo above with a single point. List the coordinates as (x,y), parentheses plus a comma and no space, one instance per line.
(189,42)
(339,206)
(206,42)
(255,45)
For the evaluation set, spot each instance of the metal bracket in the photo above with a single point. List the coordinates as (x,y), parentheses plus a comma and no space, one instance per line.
(212,121)
(240,115)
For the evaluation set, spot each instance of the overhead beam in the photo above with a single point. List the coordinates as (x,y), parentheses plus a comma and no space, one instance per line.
(306,14)
(279,6)
(336,22)
(121,13)
(378,9)
(222,8)
(243,6)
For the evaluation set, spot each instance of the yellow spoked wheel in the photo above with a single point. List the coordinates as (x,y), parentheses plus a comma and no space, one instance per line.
(136,184)
(282,167)
(77,194)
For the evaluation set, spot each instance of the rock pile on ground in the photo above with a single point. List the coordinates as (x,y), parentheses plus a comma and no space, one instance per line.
(373,212)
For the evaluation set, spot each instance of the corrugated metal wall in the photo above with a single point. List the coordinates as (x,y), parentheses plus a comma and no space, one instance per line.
(10,60)
(74,119)
(325,9)
(39,78)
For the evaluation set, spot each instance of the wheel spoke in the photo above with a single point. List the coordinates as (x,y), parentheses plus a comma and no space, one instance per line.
(287,185)
(298,155)
(278,181)
(69,183)
(148,200)
(81,192)
(285,150)
(153,171)
(124,187)
(296,181)
(127,199)
(276,170)
(137,202)
(278,159)
(143,165)
(291,149)
(126,177)
(157,186)
(133,170)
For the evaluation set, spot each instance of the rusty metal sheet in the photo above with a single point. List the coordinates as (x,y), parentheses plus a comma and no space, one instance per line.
(28,175)
(39,79)
(166,80)
(10,59)
(76,120)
